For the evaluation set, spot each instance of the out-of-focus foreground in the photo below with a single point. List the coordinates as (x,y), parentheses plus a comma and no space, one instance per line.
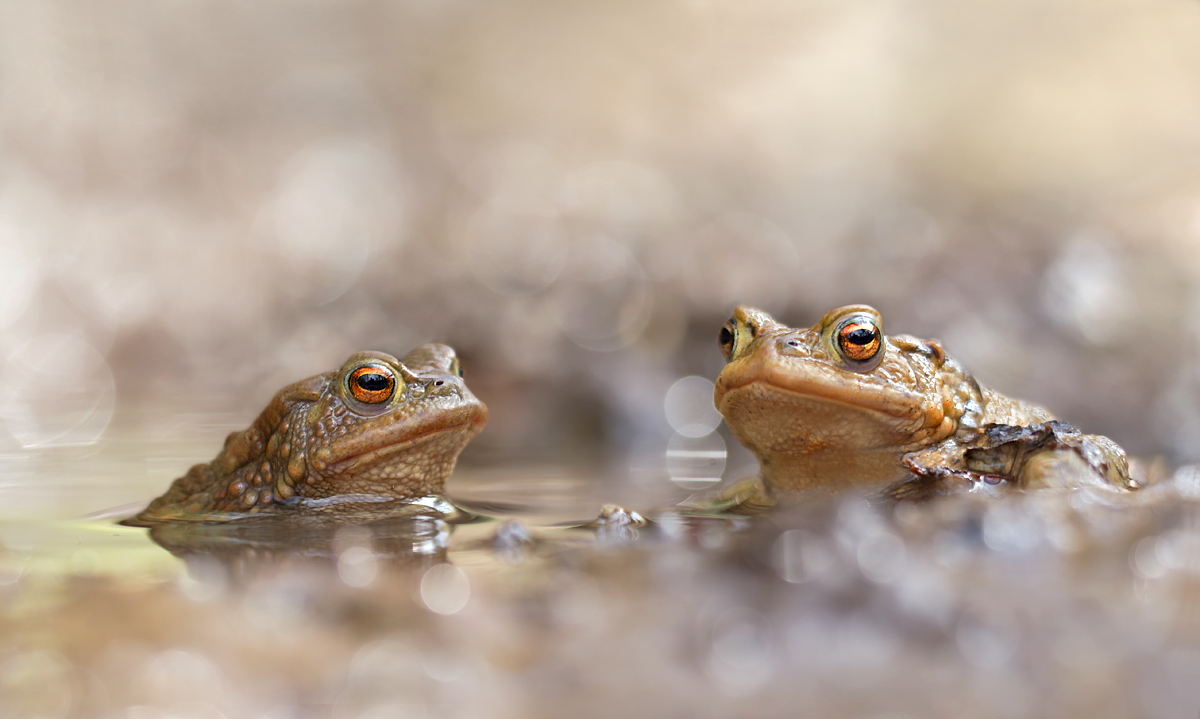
(202,201)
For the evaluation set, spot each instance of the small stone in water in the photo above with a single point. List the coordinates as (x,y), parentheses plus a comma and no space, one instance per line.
(512,534)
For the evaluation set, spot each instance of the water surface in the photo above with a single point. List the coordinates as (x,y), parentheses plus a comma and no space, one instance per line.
(1051,604)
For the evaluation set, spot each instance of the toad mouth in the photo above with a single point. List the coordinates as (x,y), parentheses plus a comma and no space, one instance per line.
(900,404)
(374,455)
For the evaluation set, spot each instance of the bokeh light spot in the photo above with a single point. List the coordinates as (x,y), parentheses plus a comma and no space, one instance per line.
(696,462)
(881,557)
(445,589)
(56,390)
(357,566)
(689,407)
(801,555)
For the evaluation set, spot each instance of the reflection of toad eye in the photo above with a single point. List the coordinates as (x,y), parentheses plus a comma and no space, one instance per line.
(726,338)
(858,339)
(372,384)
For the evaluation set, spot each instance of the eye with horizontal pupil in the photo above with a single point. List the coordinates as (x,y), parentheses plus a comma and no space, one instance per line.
(859,340)
(372,384)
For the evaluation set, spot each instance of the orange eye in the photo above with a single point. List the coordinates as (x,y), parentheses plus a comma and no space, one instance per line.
(859,339)
(372,384)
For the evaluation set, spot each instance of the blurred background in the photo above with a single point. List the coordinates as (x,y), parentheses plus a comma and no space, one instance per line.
(202,201)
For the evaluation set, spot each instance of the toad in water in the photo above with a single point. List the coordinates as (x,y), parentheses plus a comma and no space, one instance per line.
(377,430)
(841,405)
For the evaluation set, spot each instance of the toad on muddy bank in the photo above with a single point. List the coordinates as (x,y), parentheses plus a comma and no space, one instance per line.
(841,405)
(379,430)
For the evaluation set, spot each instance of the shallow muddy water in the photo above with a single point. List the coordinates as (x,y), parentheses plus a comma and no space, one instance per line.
(1051,604)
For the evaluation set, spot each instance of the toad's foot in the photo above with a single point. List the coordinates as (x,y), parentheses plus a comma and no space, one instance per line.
(749,496)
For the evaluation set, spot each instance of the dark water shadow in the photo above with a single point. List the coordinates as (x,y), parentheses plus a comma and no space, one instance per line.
(249,549)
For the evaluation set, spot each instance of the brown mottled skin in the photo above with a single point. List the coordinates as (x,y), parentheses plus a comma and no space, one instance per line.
(908,418)
(316,445)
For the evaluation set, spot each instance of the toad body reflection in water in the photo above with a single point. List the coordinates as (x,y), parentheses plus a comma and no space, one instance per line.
(841,405)
(377,431)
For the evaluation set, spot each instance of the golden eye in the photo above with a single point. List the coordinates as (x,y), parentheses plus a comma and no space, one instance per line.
(727,337)
(456,368)
(372,384)
(859,339)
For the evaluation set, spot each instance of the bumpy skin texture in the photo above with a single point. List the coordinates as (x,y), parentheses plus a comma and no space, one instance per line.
(908,417)
(317,445)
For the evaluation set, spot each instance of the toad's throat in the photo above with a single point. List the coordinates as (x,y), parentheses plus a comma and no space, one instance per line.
(853,392)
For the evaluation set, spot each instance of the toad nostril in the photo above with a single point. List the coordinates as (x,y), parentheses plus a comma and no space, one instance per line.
(793,343)
(439,383)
